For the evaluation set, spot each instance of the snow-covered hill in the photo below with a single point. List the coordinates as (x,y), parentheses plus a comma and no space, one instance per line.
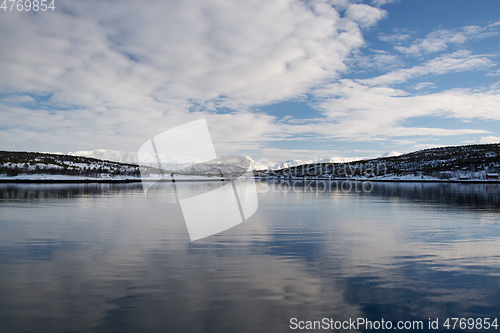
(468,162)
(32,163)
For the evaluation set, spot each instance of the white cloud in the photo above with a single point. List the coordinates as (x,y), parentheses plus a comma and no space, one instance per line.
(382,2)
(360,112)
(16,99)
(490,139)
(351,99)
(395,38)
(251,53)
(365,15)
(112,76)
(380,60)
(441,39)
(424,85)
(497,73)
(495,86)
(459,61)
(384,61)
(434,42)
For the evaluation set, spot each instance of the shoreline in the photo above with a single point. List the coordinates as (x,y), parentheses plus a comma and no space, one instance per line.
(125,181)
(471,181)
(104,181)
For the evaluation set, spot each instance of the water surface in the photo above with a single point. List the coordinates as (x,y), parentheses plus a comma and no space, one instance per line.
(104,258)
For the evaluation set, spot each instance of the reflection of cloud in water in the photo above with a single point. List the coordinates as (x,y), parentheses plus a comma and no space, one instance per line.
(109,259)
(124,271)
(160,290)
(406,259)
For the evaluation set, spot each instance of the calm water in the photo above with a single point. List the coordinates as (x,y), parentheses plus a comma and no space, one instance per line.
(103,258)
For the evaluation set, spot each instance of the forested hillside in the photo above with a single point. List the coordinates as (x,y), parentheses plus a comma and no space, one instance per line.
(29,163)
(444,162)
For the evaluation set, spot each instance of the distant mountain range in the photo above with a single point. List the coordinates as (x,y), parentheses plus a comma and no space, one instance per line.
(131,158)
(472,162)
(13,164)
(292,163)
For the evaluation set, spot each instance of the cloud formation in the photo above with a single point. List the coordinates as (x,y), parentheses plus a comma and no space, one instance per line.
(458,61)
(361,112)
(235,54)
(102,74)
(366,16)
(160,63)
(490,139)
(441,39)
(382,2)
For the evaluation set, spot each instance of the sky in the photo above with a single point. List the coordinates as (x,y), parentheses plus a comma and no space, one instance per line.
(275,80)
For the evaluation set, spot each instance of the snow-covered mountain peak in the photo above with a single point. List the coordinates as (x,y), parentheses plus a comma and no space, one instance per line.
(132,158)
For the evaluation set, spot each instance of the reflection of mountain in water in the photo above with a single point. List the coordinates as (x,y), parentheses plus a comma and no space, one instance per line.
(157,193)
(474,196)
(44,192)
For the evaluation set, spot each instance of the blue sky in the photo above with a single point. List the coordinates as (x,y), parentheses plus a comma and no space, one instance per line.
(276,80)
